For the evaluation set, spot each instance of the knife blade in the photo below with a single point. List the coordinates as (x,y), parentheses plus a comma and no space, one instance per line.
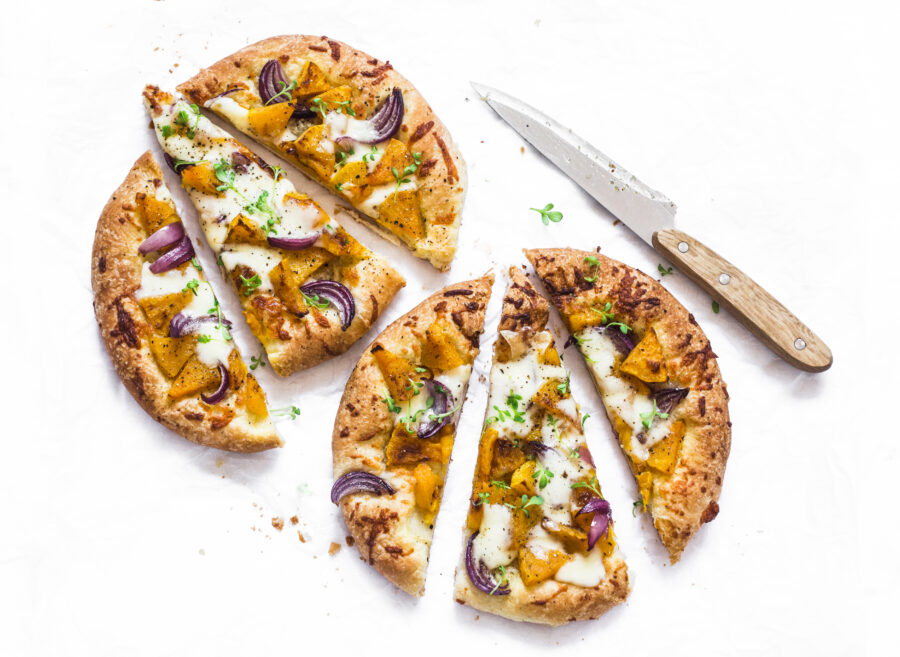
(651,215)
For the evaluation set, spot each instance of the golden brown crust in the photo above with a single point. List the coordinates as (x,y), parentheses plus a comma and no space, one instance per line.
(442,176)
(550,602)
(682,502)
(115,277)
(387,530)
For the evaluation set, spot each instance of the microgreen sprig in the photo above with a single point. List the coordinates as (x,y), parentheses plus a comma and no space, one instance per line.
(314,300)
(286,90)
(663,271)
(547,216)
(542,475)
(595,265)
(591,485)
(250,284)
(192,286)
(534,500)
(287,411)
(257,361)
(647,418)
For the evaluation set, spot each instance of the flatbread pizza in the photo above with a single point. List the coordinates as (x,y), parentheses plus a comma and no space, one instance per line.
(162,324)
(659,381)
(395,427)
(539,544)
(351,123)
(308,288)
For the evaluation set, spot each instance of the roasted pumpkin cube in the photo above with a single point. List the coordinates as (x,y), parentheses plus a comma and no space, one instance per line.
(404,448)
(293,200)
(522,482)
(474,516)
(646,360)
(427,487)
(270,120)
(154,213)
(350,180)
(582,319)
(535,568)
(255,398)
(664,454)
(549,356)
(172,353)
(550,394)
(315,151)
(237,370)
(645,486)
(265,315)
(399,213)
(523,521)
(341,243)
(486,453)
(396,157)
(506,458)
(310,82)
(201,177)
(334,99)
(194,377)
(244,230)
(402,377)
(572,538)
(439,351)
(160,310)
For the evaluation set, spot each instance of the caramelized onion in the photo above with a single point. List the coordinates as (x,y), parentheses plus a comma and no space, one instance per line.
(337,295)
(358,481)
(165,236)
(272,82)
(181,252)
(182,325)
(222,390)
(600,522)
(293,243)
(668,398)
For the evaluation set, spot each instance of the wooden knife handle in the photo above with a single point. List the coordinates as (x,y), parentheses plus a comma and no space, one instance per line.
(755,308)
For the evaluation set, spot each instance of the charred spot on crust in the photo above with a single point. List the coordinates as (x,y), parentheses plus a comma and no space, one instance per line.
(335,50)
(440,306)
(452,174)
(458,293)
(194,415)
(125,324)
(376,348)
(101,264)
(421,130)
(710,512)
(345,432)
(319,48)
(702,404)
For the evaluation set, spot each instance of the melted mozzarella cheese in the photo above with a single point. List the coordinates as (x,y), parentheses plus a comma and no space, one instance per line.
(493,545)
(620,396)
(584,570)
(231,110)
(558,491)
(259,259)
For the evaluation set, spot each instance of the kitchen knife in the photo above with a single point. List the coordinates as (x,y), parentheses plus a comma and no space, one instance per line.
(652,216)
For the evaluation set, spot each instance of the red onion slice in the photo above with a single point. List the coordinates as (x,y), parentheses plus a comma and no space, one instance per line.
(182,325)
(293,243)
(240,162)
(337,295)
(443,401)
(384,123)
(227,91)
(536,448)
(272,82)
(165,236)
(479,574)
(622,341)
(668,398)
(182,252)
(359,482)
(222,390)
(600,522)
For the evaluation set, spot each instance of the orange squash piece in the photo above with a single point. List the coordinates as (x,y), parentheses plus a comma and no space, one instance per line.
(439,351)
(154,213)
(201,177)
(243,230)
(172,353)
(645,485)
(309,150)
(310,82)
(426,487)
(506,459)
(646,360)
(342,243)
(399,213)
(396,156)
(255,398)
(160,310)
(522,482)
(270,120)
(664,454)
(400,375)
(351,180)
(535,569)
(194,377)
(549,396)
(486,453)
(405,448)
(572,538)
(331,100)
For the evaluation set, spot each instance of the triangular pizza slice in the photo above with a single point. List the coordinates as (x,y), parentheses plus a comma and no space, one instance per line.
(539,544)
(658,379)
(308,288)
(351,123)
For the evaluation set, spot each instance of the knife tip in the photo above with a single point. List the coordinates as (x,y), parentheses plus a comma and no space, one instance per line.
(482,90)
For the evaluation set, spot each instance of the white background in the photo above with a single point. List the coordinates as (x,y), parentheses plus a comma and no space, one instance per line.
(772,124)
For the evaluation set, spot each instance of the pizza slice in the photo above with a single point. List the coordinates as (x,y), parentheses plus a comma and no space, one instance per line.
(539,540)
(351,123)
(659,381)
(162,324)
(308,288)
(394,430)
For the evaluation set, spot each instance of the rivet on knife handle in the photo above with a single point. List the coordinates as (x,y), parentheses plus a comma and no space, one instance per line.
(755,308)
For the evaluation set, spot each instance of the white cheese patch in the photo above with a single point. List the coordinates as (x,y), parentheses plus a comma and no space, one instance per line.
(493,545)
(584,570)
(259,259)
(231,110)
(557,493)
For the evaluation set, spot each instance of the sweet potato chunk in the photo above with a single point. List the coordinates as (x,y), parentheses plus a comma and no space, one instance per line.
(535,569)
(310,82)
(160,310)
(195,377)
(201,177)
(396,156)
(401,377)
(243,230)
(399,213)
(522,482)
(439,351)
(549,356)
(664,454)
(572,538)
(154,213)
(549,396)
(172,353)
(646,360)
(292,272)
(314,151)
(582,319)
(523,523)
(270,120)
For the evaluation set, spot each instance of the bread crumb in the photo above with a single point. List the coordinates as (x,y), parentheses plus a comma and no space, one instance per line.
(616,222)
(202,552)
(350,541)
(522,149)
(278,523)
(220,463)
(300,536)
(334,548)
(294,520)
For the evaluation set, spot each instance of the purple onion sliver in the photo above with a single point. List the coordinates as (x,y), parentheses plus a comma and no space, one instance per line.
(668,398)
(240,162)
(293,243)
(182,325)
(165,236)
(600,522)
(272,82)
(622,341)
(569,342)
(337,295)
(227,91)
(443,402)
(182,252)
(478,573)
(387,119)
(359,482)
(222,390)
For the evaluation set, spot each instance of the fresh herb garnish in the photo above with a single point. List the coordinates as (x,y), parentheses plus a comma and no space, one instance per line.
(291,411)
(483,498)
(663,271)
(637,506)
(314,300)
(534,500)
(595,265)
(277,172)
(563,388)
(584,419)
(339,186)
(410,419)
(166,131)
(715,307)
(286,90)
(250,284)
(590,485)
(371,155)
(605,314)
(391,404)
(345,106)
(504,580)
(319,106)
(183,118)
(220,326)
(225,173)
(547,216)
(647,418)
(265,207)
(542,475)
(196,264)
(192,286)
(402,178)
(500,484)
(203,339)
(257,361)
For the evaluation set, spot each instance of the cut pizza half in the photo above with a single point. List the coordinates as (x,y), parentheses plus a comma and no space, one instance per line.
(658,379)
(351,123)
(308,288)
(162,325)
(539,544)
(395,427)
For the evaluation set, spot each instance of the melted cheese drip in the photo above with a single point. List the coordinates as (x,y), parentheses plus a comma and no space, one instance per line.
(620,397)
